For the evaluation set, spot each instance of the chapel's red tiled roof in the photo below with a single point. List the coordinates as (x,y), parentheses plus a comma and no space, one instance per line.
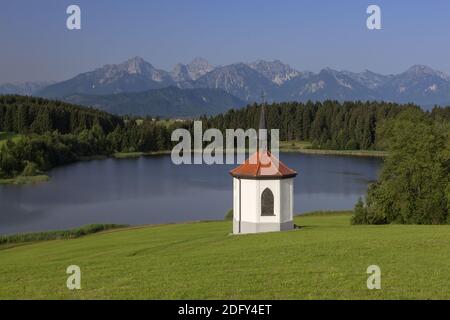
(263,165)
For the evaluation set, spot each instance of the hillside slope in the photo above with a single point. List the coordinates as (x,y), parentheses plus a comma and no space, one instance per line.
(327,258)
(24,88)
(166,102)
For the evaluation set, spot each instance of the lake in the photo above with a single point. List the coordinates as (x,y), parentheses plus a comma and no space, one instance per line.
(151,190)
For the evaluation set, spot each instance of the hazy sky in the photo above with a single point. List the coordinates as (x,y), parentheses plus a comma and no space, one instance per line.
(309,35)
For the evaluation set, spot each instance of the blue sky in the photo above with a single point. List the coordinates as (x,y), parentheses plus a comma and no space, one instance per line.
(309,35)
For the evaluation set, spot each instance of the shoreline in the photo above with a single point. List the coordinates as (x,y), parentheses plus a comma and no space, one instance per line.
(306,147)
(298,147)
(25,180)
(349,153)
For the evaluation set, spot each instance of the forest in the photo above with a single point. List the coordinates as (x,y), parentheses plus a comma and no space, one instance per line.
(22,114)
(328,125)
(55,133)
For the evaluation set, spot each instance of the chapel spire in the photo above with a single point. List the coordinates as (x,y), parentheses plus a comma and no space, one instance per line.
(262,137)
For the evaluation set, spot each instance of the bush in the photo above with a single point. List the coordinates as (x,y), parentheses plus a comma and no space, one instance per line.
(229,215)
(366,215)
(360,213)
(31,169)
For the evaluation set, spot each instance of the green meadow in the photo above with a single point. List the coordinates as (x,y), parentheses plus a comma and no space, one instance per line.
(326,259)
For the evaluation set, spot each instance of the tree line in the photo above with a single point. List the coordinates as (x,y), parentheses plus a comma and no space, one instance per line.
(25,115)
(328,125)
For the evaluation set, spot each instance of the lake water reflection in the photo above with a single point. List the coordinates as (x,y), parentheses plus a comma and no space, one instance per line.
(151,190)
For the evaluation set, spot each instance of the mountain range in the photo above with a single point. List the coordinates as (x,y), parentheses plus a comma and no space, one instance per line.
(137,87)
(24,88)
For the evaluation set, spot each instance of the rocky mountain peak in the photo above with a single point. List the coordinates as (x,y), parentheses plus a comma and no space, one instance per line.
(180,73)
(136,65)
(199,67)
(420,70)
(275,70)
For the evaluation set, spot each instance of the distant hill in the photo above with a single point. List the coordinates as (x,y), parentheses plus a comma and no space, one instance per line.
(167,102)
(24,88)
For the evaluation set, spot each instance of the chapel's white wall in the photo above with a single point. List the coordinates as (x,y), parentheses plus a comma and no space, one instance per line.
(287,193)
(249,200)
(251,191)
(236,199)
(251,219)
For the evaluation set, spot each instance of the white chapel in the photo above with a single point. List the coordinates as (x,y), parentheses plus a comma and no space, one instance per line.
(263,189)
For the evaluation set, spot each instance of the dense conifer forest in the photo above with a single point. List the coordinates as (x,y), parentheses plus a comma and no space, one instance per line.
(22,114)
(328,125)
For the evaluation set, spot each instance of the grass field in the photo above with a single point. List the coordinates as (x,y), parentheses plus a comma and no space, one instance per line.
(326,259)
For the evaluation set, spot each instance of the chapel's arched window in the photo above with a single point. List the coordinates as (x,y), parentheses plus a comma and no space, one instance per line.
(267,203)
